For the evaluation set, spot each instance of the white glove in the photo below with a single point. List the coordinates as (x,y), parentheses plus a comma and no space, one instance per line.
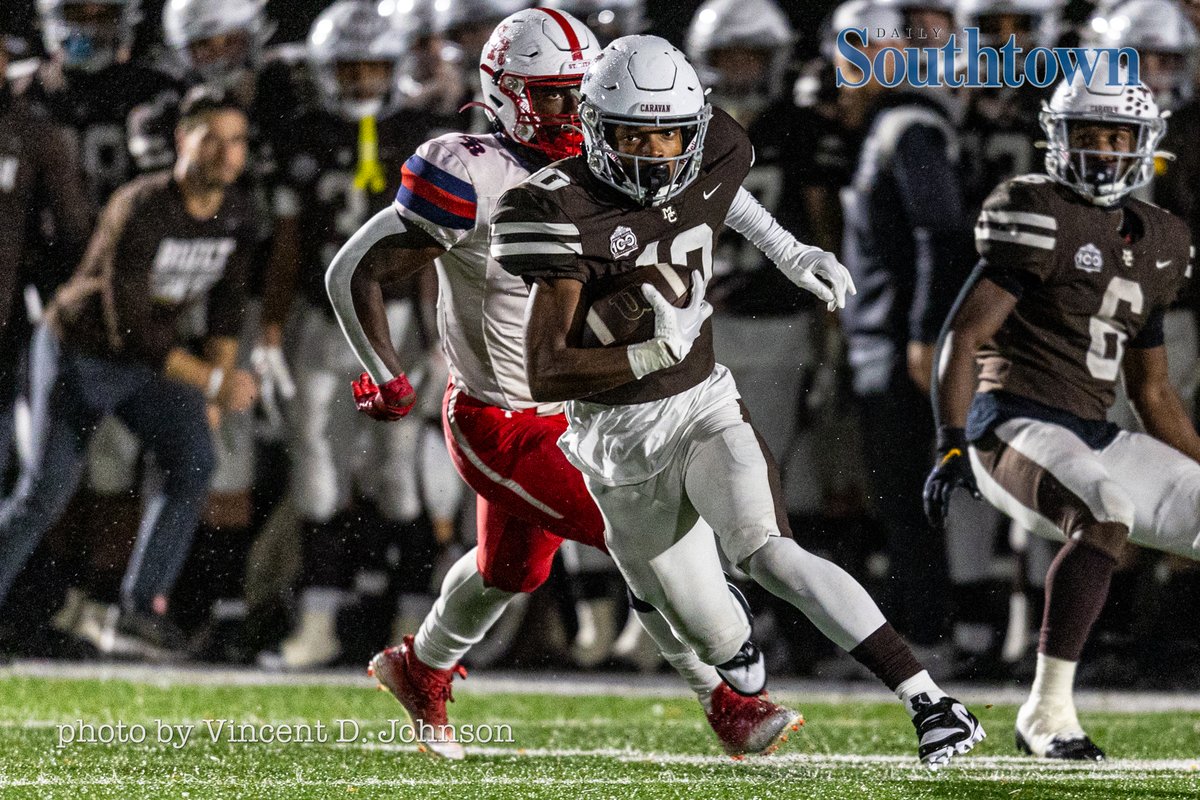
(818,271)
(675,329)
(274,380)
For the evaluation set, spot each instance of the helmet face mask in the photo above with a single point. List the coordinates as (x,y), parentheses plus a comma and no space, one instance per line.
(354,54)
(556,134)
(1102,176)
(741,50)
(221,41)
(530,72)
(649,180)
(646,83)
(90,35)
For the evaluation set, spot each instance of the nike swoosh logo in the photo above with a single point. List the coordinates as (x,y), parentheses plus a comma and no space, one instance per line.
(713,191)
(1162,264)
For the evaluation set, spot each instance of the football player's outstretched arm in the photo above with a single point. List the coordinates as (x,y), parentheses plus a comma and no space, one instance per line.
(383,250)
(810,268)
(1156,401)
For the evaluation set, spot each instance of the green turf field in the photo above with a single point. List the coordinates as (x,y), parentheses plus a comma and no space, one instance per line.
(563,746)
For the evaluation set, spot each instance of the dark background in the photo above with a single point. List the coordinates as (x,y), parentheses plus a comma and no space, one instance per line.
(669,18)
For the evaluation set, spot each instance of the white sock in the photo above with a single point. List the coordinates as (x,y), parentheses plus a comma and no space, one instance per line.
(1054,681)
(462,615)
(917,685)
(700,677)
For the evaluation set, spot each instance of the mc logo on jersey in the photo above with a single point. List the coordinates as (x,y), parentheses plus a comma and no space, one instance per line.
(622,242)
(1088,258)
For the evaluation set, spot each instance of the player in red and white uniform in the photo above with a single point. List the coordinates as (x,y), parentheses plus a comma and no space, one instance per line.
(503,443)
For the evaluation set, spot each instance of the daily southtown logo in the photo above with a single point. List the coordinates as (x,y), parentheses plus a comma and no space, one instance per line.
(962,62)
(623,242)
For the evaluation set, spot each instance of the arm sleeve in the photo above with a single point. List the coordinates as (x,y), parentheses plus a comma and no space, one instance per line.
(748,217)
(928,184)
(437,194)
(337,284)
(531,237)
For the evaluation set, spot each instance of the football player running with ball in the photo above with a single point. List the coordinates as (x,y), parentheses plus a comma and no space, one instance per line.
(662,439)
(501,439)
(1074,281)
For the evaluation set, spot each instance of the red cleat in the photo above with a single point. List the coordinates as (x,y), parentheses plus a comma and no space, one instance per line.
(423,692)
(750,725)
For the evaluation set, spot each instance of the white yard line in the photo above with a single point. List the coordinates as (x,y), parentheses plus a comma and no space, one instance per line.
(574,684)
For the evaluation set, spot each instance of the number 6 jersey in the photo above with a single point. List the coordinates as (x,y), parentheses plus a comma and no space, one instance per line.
(1089,281)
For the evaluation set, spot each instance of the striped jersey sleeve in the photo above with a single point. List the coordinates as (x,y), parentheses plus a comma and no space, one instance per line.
(437,193)
(532,237)
(1016,234)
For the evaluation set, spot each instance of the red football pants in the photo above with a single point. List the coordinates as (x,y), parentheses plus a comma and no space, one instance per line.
(530,496)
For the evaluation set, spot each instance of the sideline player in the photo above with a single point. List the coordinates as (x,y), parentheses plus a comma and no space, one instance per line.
(1075,278)
(169,245)
(502,441)
(662,438)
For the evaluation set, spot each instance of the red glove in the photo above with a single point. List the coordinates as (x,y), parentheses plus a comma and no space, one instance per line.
(388,402)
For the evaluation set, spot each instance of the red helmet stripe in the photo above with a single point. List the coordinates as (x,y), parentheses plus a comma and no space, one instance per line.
(572,39)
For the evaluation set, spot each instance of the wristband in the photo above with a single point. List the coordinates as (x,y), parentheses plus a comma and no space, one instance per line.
(216,379)
(649,356)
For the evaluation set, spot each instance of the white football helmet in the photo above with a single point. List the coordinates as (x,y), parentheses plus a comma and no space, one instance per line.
(1158,27)
(353,32)
(608,19)
(743,24)
(1101,176)
(1044,19)
(643,81)
(537,48)
(188,22)
(85,44)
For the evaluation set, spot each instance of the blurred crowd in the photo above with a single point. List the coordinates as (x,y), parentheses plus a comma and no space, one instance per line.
(324,535)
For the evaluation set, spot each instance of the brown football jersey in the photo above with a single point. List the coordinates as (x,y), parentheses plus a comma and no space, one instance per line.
(148,264)
(1090,282)
(563,222)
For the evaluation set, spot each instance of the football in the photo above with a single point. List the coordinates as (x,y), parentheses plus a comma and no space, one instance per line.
(624,316)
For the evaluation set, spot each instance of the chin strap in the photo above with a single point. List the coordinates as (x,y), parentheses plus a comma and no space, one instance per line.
(370,175)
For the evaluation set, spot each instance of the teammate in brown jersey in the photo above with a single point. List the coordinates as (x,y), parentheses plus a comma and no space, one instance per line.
(167,245)
(662,439)
(1071,290)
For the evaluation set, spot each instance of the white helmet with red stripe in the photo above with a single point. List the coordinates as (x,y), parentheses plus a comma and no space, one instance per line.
(537,48)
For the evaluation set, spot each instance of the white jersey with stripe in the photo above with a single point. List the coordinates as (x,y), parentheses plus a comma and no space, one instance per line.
(449,189)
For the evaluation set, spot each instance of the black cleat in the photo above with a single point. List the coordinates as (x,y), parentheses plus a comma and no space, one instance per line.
(944,729)
(1063,749)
